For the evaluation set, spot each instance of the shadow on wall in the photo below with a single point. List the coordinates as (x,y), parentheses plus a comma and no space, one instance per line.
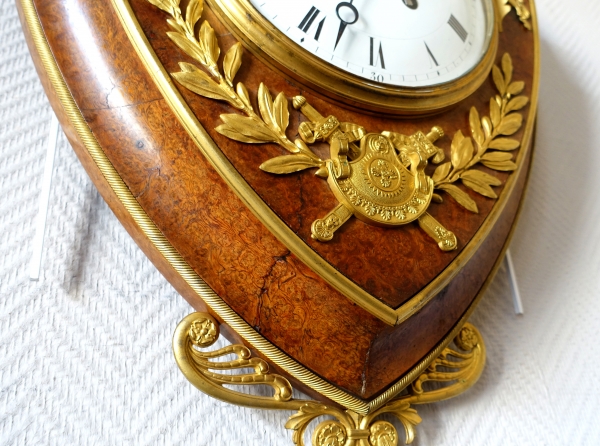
(554,225)
(86,210)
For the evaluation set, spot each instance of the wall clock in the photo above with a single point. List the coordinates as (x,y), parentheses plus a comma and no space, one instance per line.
(332,185)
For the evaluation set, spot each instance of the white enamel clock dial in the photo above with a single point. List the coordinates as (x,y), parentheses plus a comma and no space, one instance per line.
(407,43)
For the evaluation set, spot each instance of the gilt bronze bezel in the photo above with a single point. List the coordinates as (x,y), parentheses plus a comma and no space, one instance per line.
(270,45)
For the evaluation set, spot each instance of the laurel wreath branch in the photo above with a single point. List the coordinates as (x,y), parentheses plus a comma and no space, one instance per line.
(505,6)
(486,133)
(267,127)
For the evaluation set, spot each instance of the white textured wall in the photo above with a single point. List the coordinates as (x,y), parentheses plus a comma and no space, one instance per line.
(85,353)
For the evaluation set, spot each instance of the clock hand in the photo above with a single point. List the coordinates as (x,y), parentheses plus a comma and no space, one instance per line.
(349,11)
(412,4)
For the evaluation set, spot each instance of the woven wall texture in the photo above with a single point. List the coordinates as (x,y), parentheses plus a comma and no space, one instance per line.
(85,352)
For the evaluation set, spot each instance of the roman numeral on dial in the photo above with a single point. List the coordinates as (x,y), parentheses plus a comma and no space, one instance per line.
(308,20)
(458,28)
(376,56)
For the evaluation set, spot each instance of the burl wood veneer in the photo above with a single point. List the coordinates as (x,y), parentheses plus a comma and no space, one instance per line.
(271,289)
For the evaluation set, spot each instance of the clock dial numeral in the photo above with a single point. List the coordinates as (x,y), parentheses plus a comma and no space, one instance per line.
(458,28)
(376,56)
(431,55)
(308,19)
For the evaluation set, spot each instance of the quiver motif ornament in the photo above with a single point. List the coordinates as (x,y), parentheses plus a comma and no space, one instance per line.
(378,182)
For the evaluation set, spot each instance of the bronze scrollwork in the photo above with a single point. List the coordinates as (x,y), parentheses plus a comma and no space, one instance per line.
(459,368)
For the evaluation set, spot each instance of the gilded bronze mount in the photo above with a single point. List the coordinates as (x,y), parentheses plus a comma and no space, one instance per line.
(455,369)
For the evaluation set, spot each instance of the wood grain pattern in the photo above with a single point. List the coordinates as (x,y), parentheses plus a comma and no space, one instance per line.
(221,239)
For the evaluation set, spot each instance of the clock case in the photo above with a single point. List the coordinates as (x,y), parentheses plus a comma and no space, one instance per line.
(357,323)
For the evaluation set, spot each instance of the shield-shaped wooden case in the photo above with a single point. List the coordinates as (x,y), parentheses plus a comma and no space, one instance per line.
(263,237)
